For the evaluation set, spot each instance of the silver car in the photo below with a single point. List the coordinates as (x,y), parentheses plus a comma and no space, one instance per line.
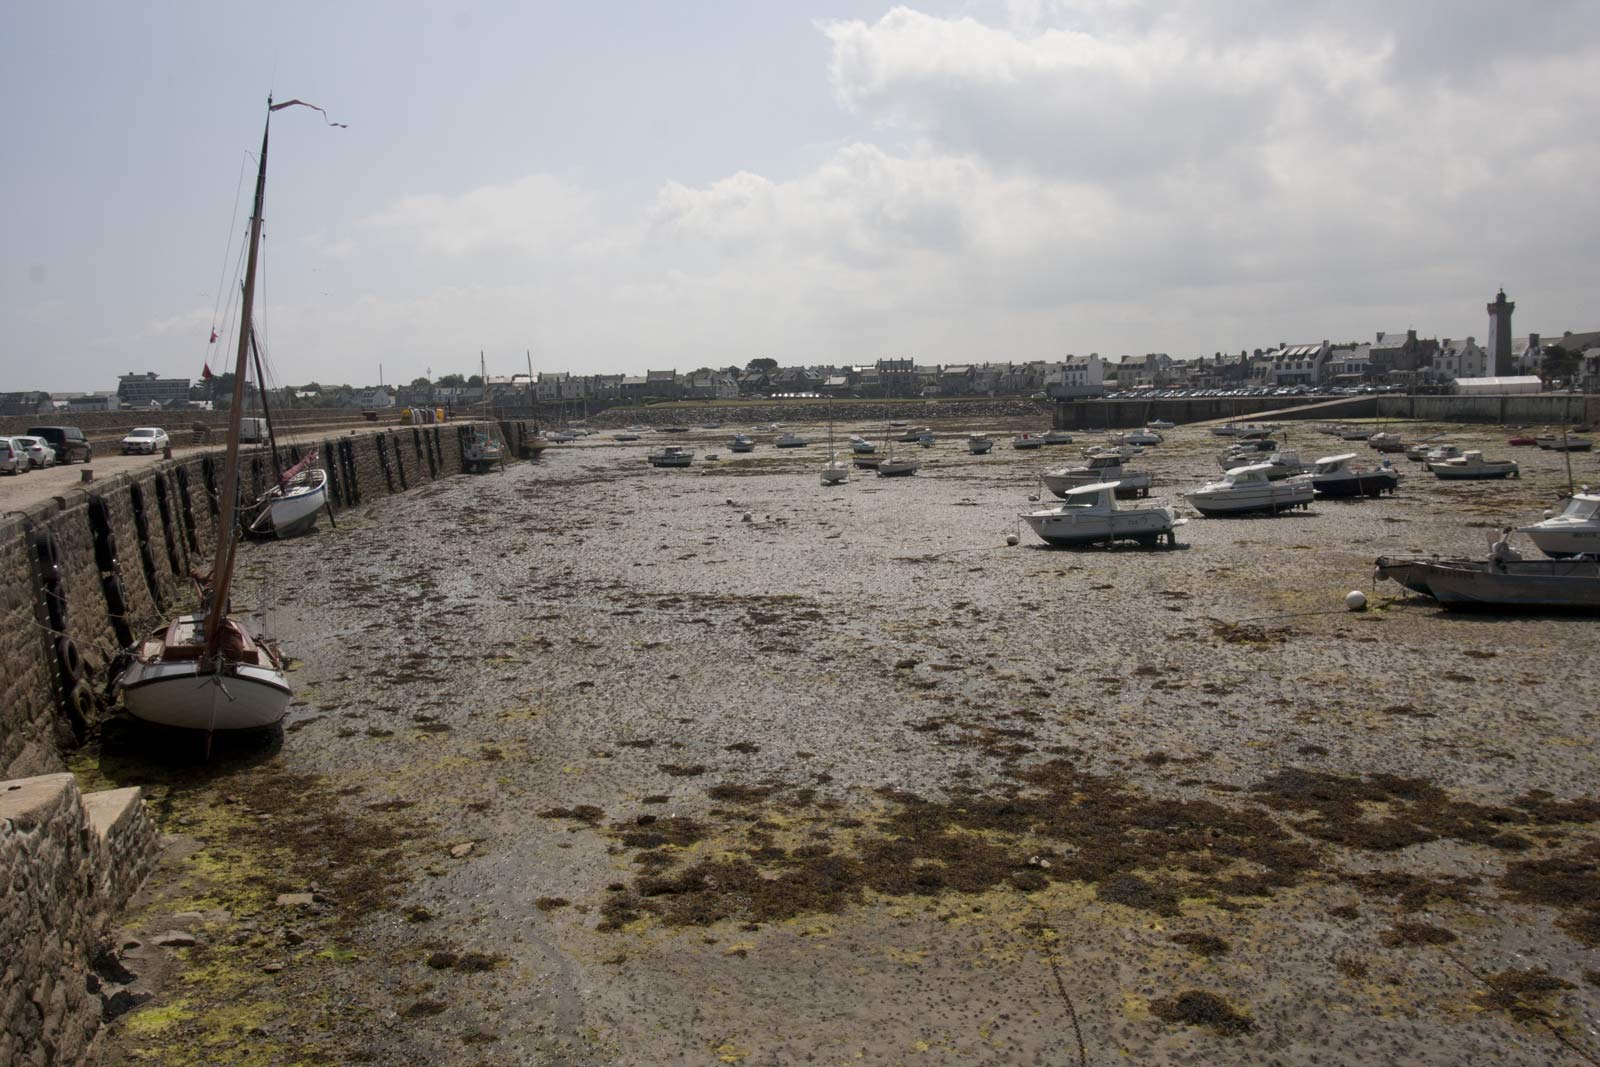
(38,449)
(13,457)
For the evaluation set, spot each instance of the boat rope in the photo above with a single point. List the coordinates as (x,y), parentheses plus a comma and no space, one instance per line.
(1042,928)
(1537,1014)
(223,289)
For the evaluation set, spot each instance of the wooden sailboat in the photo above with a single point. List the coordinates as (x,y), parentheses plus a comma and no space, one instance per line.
(207,670)
(297,495)
(482,450)
(835,470)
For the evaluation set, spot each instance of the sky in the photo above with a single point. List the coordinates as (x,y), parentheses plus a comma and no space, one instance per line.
(615,187)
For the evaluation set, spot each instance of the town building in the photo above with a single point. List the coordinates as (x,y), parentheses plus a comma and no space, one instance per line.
(146,391)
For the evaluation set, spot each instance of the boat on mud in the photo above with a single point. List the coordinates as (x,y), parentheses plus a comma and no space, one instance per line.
(1248,490)
(979,443)
(1095,470)
(1334,477)
(1025,442)
(742,442)
(1573,531)
(1089,515)
(791,440)
(671,456)
(1542,584)
(1471,466)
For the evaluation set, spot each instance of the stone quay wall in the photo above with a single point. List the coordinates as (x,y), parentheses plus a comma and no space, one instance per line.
(86,572)
(81,577)
(737,416)
(69,863)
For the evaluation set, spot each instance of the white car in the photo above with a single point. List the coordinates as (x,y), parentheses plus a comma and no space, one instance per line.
(38,450)
(13,457)
(147,439)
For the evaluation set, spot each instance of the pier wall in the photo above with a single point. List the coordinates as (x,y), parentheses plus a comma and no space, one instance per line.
(81,577)
(1541,409)
(1517,408)
(84,573)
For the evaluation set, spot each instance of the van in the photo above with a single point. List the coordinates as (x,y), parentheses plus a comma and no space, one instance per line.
(68,441)
(252,430)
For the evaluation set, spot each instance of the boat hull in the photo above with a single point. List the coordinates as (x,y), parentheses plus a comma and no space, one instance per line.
(1145,527)
(1564,544)
(1447,473)
(1256,499)
(1349,486)
(893,468)
(296,511)
(1564,585)
(243,697)
(1130,484)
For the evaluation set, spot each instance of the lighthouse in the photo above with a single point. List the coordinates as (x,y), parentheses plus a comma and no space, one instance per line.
(1500,335)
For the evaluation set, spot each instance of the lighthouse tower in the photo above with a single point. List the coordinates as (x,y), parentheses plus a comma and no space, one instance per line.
(1500,335)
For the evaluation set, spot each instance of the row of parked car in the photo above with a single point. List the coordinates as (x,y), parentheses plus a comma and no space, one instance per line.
(45,446)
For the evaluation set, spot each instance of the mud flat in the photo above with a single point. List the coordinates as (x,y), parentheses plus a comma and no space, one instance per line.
(587,769)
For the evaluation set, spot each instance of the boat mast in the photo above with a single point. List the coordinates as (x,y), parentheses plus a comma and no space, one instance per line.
(227,536)
(261,385)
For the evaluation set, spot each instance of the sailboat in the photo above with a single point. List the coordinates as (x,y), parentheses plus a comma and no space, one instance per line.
(480,450)
(835,470)
(290,507)
(207,670)
(890,467)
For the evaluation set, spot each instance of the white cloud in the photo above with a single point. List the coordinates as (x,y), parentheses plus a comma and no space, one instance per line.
(531,214)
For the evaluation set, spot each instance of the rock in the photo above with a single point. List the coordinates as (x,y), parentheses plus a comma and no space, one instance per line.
(463,849)
(272,966)
(296,900)
(746,517)
(176,939)
(293,937)
(120,1002)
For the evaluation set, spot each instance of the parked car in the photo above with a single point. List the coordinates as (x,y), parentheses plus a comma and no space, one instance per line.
(13,459)
(146,439)
(38,449)
(68,442)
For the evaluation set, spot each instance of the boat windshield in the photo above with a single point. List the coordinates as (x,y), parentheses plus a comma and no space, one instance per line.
(1580,510)
(1084,500)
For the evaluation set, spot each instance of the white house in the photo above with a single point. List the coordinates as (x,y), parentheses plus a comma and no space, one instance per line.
(1080,376)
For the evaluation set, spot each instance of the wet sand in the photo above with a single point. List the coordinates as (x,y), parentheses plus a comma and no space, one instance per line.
(855,782)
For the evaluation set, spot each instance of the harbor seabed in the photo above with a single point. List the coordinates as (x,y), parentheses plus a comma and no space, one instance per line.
(593,763)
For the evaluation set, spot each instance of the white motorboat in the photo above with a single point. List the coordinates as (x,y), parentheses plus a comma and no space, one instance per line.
(1441,454)
(671,456)
(1420,451)
(1248,489)
(742,442)
(791,440)
(1471,466)
(1097,470)
(979,443)
(911,434)
(1573,531)
(1555,442)
(1230,430)
(861,446)
(1334,477)
(1026,442)
(1057,437)
(1386,442)
(1354,433)
(1279,464)
(1161,424)
(1245,453)
(625,435)
(206,670)
(1119,451)
(1089,515)
(1145,436)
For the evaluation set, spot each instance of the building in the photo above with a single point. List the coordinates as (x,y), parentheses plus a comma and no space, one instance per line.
(1460,359)
(30,403)
(378,396)
(1080,376)
(1520,383)
(146,390)
(1500,334)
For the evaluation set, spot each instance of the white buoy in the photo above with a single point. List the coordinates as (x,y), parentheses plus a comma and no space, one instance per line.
(1012,539)
(1355,600)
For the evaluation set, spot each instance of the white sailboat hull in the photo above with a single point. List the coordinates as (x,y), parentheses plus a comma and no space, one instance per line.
(1222,499)
(295,512)
(243,697)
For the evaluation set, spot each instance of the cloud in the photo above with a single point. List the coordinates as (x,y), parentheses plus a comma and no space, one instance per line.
(531,214)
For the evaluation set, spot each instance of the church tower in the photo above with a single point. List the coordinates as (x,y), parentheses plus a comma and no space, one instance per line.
(1500,335)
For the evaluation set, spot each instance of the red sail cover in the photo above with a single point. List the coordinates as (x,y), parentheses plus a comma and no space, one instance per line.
(289,474)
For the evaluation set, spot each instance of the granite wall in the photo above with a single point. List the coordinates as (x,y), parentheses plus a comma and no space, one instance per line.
(83,574)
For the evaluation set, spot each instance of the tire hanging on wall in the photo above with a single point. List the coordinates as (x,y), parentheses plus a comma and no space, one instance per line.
(69,658)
